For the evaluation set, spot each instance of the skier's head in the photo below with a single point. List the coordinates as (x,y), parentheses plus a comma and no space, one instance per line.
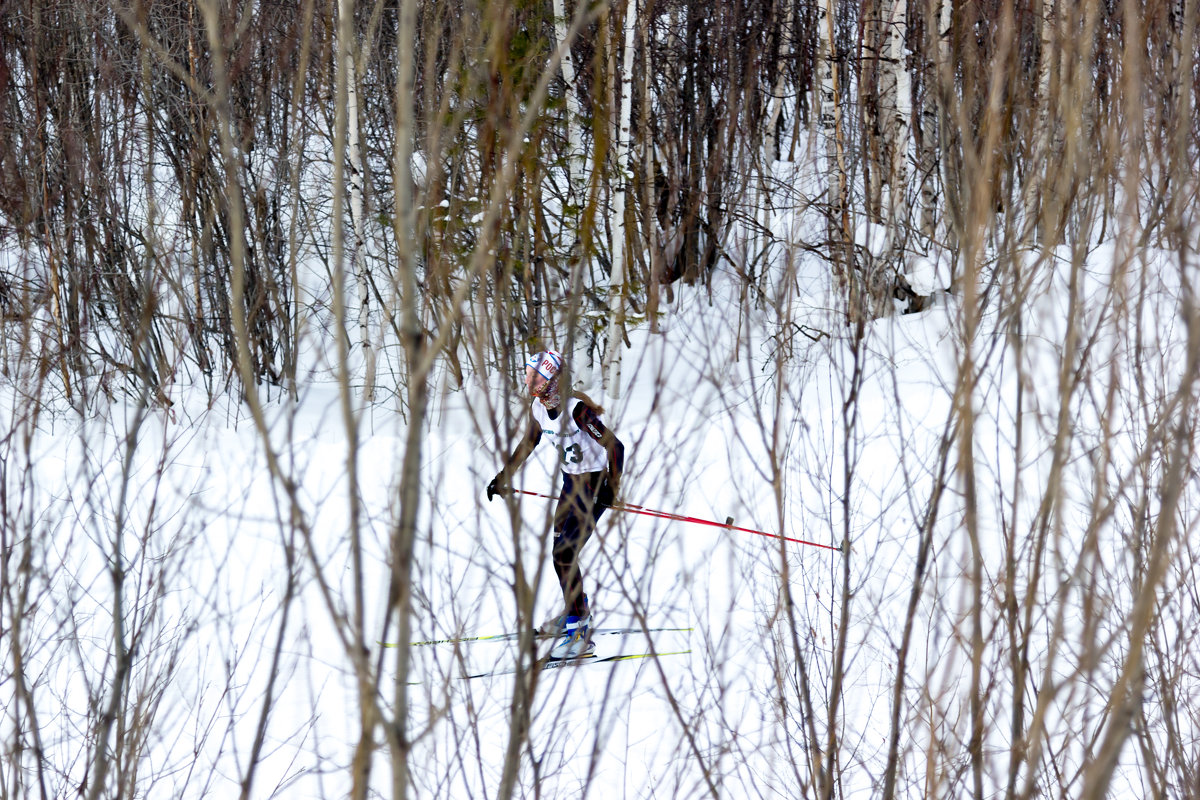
(541,377)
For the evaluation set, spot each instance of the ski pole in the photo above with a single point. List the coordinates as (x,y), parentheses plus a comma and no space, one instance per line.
(727,525)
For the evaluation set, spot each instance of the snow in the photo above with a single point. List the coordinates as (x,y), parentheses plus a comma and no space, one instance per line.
(719,420)
(925,276)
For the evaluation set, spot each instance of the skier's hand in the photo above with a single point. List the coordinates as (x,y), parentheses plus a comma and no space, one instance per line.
(497,486)
(607,496)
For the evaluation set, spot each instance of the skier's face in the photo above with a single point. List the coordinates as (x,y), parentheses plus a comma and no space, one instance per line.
(535,383)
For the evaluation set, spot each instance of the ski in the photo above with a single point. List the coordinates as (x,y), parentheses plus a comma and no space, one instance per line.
(509,637)
(546,664)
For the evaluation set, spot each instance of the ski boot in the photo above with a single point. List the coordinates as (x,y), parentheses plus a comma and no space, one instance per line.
(556,625)
(575,640)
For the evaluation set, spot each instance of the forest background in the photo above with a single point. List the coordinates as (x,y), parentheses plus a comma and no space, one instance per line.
(911,280)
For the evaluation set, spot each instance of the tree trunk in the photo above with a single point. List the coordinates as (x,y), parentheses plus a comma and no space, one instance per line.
(620,244)
(358,264)
(830,120)
(577,157)
(926,133)
(418,362)
(899,127)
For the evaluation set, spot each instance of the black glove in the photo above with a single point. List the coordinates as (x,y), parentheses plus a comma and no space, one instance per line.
(497,486)
(606,497)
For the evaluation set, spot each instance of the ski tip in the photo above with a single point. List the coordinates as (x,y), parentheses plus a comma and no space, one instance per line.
(638,656)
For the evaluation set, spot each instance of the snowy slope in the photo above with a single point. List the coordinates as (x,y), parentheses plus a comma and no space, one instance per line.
(726,412)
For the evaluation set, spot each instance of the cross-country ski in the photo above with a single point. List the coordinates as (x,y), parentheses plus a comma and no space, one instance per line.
(545,664)
(512,637)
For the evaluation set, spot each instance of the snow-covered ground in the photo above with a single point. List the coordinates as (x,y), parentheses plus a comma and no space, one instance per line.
(729,411)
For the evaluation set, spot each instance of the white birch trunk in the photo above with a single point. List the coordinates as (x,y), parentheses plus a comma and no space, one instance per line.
(771,150)
(771,140)
(344,78)
(577,157)
(927,164)
(944,75)
(825,86)
(927,127)
(830,117)
(616,289)
(875,92)
(928,160)
(1035,187)
(650,230)
(357,262)
(899,128)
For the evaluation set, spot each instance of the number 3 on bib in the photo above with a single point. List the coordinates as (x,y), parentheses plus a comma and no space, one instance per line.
(572,454)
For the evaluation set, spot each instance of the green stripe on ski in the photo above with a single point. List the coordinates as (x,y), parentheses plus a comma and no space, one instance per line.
(462,639)
(633,656)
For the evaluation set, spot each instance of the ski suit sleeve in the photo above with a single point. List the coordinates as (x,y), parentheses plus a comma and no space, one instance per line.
(528,442)
(589,422)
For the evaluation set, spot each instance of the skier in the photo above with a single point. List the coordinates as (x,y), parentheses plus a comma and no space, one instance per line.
(592,461)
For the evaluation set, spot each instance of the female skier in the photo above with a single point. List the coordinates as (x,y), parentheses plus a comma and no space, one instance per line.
(592,460)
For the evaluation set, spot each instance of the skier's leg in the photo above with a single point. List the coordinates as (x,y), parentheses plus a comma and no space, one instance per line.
(575,532)
(575,519)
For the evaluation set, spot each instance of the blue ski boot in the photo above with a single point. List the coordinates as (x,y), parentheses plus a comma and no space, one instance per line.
(556,625)
(575,641)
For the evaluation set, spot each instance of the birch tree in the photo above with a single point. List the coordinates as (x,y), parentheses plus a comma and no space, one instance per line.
(898,130)
(624,192)
(833,140)
(929,21)
(357,172)
(577,162)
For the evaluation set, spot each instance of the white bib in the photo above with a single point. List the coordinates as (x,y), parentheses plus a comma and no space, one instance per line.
(578,452)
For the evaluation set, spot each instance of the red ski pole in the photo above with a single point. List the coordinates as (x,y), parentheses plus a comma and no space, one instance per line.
(727,525)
